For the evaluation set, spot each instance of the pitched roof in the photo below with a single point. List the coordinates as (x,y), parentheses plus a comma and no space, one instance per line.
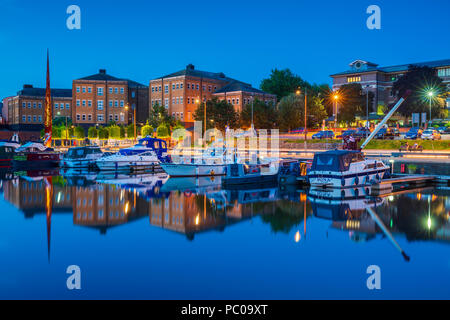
(239,86)
(101,76)
(398,68)
(134,84)
(191,71)
(40,92)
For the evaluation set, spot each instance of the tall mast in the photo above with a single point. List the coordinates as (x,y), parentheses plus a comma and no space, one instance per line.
(48,116)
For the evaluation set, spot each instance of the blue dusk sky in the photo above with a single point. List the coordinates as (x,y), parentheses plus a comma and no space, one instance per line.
(144,39)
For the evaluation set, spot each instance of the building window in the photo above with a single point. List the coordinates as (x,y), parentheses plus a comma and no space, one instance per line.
(353,79)
(24,105)
(100,117)
(116,103)
(34,118)
(24,119)
(84,89)
(29,118)
(78,117)
(78,102)
(84,103)
(40,118)
(34,105)
(166,88)
(181,115)
(237,101)
(197,87)
(100,104)
(173,86)
(110,103)
(444,72)
(153,89)
(166,102)
(29,105)
(78,89)
(209,88)
(111,90)
(100,91)
(133,93)
(189,101)
(89,89)
(89,103)
(56,105)
(89,117)
(122,117)
(188,86)
(122,103)
(181,100)
(67,106)
(83,117)
(116,117)
(110,117)
(116,90)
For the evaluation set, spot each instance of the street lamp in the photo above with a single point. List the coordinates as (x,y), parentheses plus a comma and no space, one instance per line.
(298,92)
(336,98)
(134,119)
(430,95)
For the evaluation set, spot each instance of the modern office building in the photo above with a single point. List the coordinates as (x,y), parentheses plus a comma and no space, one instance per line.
(27,107)
(181,92)
(102,98)
(380,80)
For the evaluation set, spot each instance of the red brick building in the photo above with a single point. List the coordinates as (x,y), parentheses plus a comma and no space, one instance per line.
(380,80)
(27,107)
(181,92)
(101,98)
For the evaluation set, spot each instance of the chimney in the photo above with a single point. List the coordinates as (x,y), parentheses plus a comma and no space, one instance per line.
(190,67)
(102,71)
(27,86)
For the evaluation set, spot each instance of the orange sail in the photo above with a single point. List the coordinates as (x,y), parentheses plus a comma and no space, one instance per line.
(48,116)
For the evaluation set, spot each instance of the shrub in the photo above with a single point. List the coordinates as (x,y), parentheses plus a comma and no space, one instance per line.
(93,133)
(147,130)
(103,133)
(114,132)
(79,132)
(162,131)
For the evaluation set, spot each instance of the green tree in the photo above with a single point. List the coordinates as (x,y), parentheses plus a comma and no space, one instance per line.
(283,83)
(130,131)
(220,114)
(264,115)
(79,132)
(114,132)
(162,131)
(147,130)
(158,115)
(103,133)
(421,81)
(92,133)
(122,132)
(352,102)
(316,111)
(290,112)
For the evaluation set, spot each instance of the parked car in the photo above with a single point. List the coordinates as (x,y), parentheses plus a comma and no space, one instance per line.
(362,132)
(346,133)
(413,133)
(443,130)
(385,133)
(298,130)
(431,134)
(323,135)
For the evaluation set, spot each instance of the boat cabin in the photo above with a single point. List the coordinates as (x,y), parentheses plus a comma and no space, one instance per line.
(336,160)
(157,145)
(82,152)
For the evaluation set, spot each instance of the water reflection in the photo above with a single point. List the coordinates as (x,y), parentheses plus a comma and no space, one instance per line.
(191,206)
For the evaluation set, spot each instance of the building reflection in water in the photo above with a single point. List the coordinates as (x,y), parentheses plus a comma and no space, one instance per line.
(199,208)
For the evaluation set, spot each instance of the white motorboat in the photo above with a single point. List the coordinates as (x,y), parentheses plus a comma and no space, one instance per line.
(345,169)
(240,174)
(81,157)
(121,161)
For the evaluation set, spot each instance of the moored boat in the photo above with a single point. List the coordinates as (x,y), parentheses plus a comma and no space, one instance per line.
(35,154)
(345,169)
(81,157)
(148,153)
(239,174)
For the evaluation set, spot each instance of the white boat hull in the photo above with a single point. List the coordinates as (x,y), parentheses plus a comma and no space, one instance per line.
(193,170)
(82,163)
(345,179)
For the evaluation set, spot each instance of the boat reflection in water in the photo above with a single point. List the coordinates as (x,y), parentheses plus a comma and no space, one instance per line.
(190,206)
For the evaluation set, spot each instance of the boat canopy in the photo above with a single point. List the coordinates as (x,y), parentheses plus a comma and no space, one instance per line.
(335,160)
(157,145)
(32,146)
(80,152)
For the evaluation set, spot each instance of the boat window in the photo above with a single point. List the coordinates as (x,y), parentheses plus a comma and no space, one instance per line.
(324,160)
(156,145)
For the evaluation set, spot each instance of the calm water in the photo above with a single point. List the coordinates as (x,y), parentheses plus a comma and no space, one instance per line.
(158,238)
